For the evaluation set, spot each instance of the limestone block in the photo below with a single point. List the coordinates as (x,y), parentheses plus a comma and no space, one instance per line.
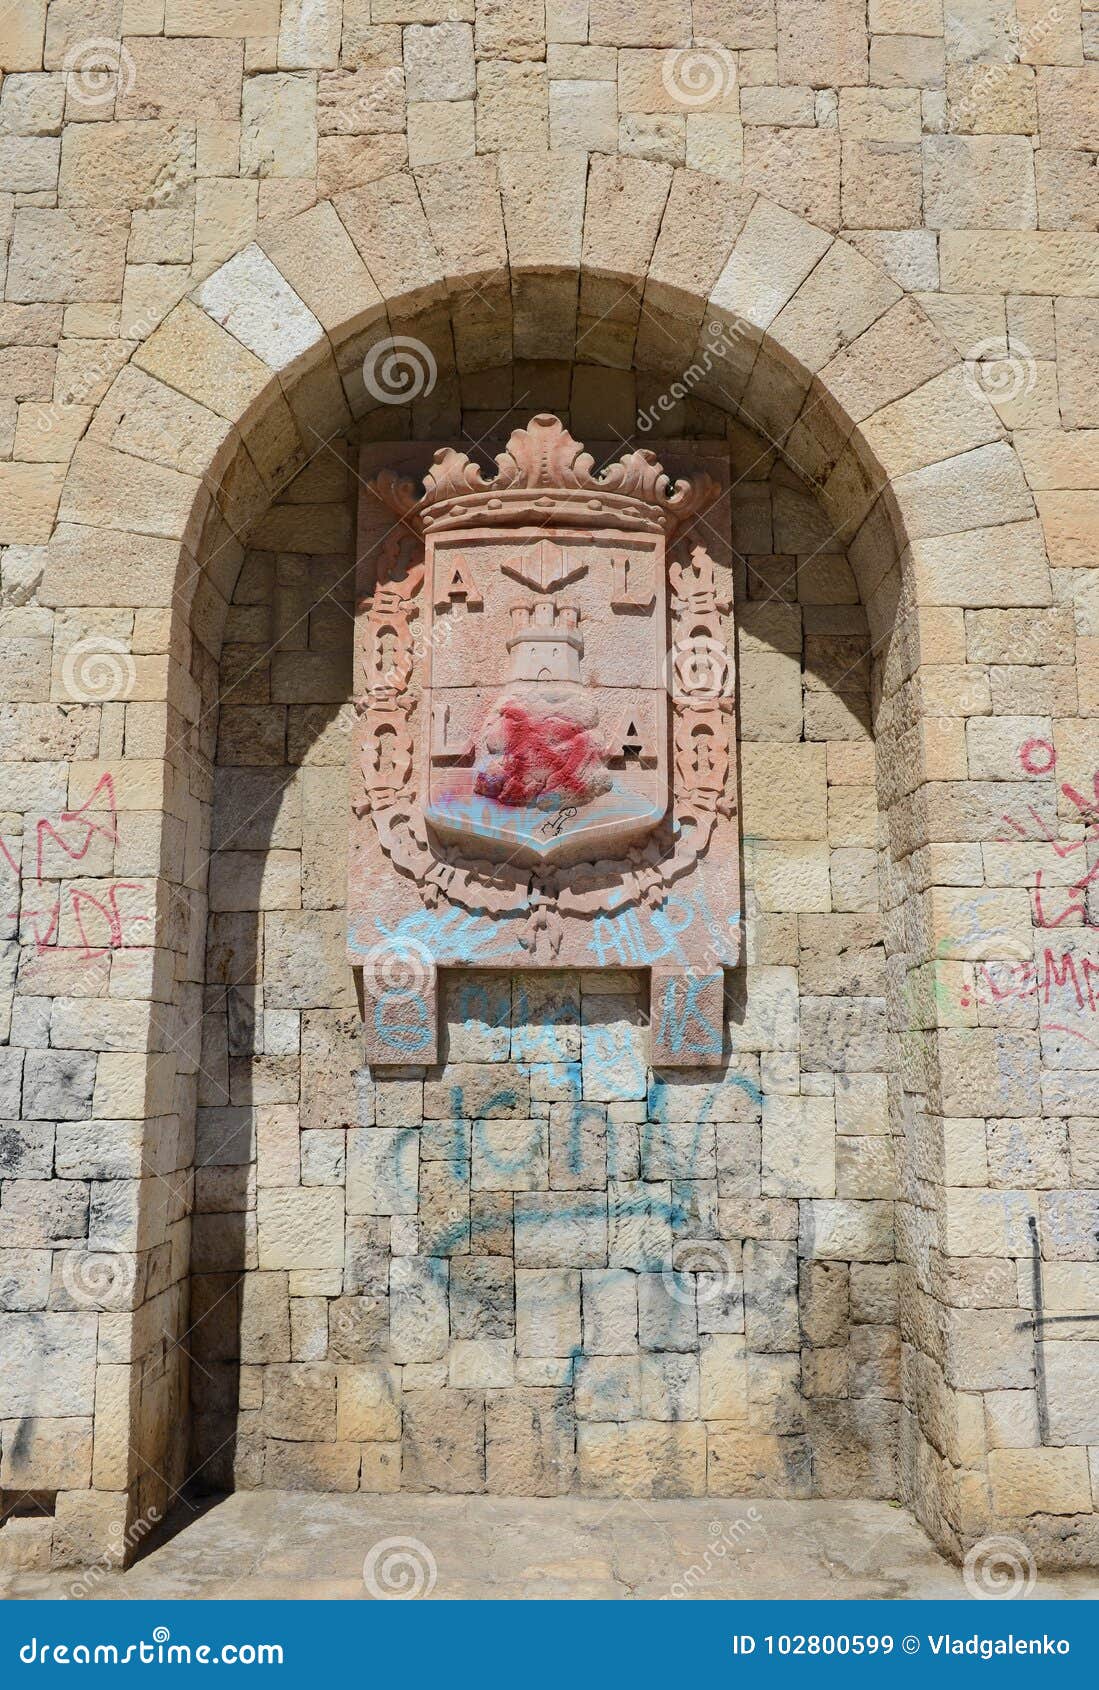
(658,140)
(985,1069)
(368,1403)
(1006,636)
(651,81)
(770,698)
(299,1401)
(481,1362)
(798,168)
(610,1311)
(1072,1383)
(723,1377)
(278,125)
(179,79)
(1068,106)
(43,1454)
(264,1318)
(561,1229)
(1038,1481)
(300,1228)
(906,61)
(510,1155)
(578,1146)
(547,1311)
(583,113)
(1017,261)
(987,1349)
(89,1527)
(28,1543)
(21,36)
(614,1045)
(382,1171)
(669,1386)
(642,1458)
(1066,189)
(483,1298)
(304,960)
(647,23)
(847,1231)
(419,1314)
(309,34)
(979,181)
(438,61)
(250,298)
(57,1085)
(50,1365)
(381,1468)
(1001,565)
(607,1387)
(477,1090)
(529,1438)
(799,1147)
(512,106)
(66,255)
(741,1463)
(221,17)
(444,1440)
(667,1314)
(791,876)
(30,163)
(444,1200)
(984,1222)
(679,1150)
(305,1465)
(823,42)
(639,1224)
(798,772)
(440,131)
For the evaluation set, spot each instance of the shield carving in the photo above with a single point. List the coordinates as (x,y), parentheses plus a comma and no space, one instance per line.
(545,736)
(542,767)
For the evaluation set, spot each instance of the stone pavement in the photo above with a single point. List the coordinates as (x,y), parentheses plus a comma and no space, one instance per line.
(287,1545)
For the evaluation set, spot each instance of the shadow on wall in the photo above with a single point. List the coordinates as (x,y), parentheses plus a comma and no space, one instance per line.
(284,1314)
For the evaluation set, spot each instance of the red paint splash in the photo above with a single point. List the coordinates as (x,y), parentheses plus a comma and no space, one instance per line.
(537,754)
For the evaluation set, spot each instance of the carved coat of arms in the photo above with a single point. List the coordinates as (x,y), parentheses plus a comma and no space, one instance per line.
(544,754)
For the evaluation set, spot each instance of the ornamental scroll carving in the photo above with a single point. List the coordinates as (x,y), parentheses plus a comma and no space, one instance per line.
(544,752)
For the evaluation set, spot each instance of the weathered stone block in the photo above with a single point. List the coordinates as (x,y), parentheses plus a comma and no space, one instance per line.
(444,1440)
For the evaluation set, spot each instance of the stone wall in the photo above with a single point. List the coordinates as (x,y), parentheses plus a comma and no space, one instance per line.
(213,212)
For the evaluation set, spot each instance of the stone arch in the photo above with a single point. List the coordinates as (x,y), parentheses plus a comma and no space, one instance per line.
(532,258)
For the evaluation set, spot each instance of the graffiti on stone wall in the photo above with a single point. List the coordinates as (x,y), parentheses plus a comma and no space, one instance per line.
(44,896)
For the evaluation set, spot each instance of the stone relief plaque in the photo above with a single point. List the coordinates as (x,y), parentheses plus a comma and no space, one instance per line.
(544,754)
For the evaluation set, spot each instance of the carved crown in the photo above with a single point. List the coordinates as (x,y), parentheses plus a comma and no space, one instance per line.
(546,477)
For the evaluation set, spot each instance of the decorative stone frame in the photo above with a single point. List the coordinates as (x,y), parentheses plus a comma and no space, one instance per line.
(419,899)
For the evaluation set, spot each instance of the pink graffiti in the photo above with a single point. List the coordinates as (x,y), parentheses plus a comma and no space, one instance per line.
(88,820)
